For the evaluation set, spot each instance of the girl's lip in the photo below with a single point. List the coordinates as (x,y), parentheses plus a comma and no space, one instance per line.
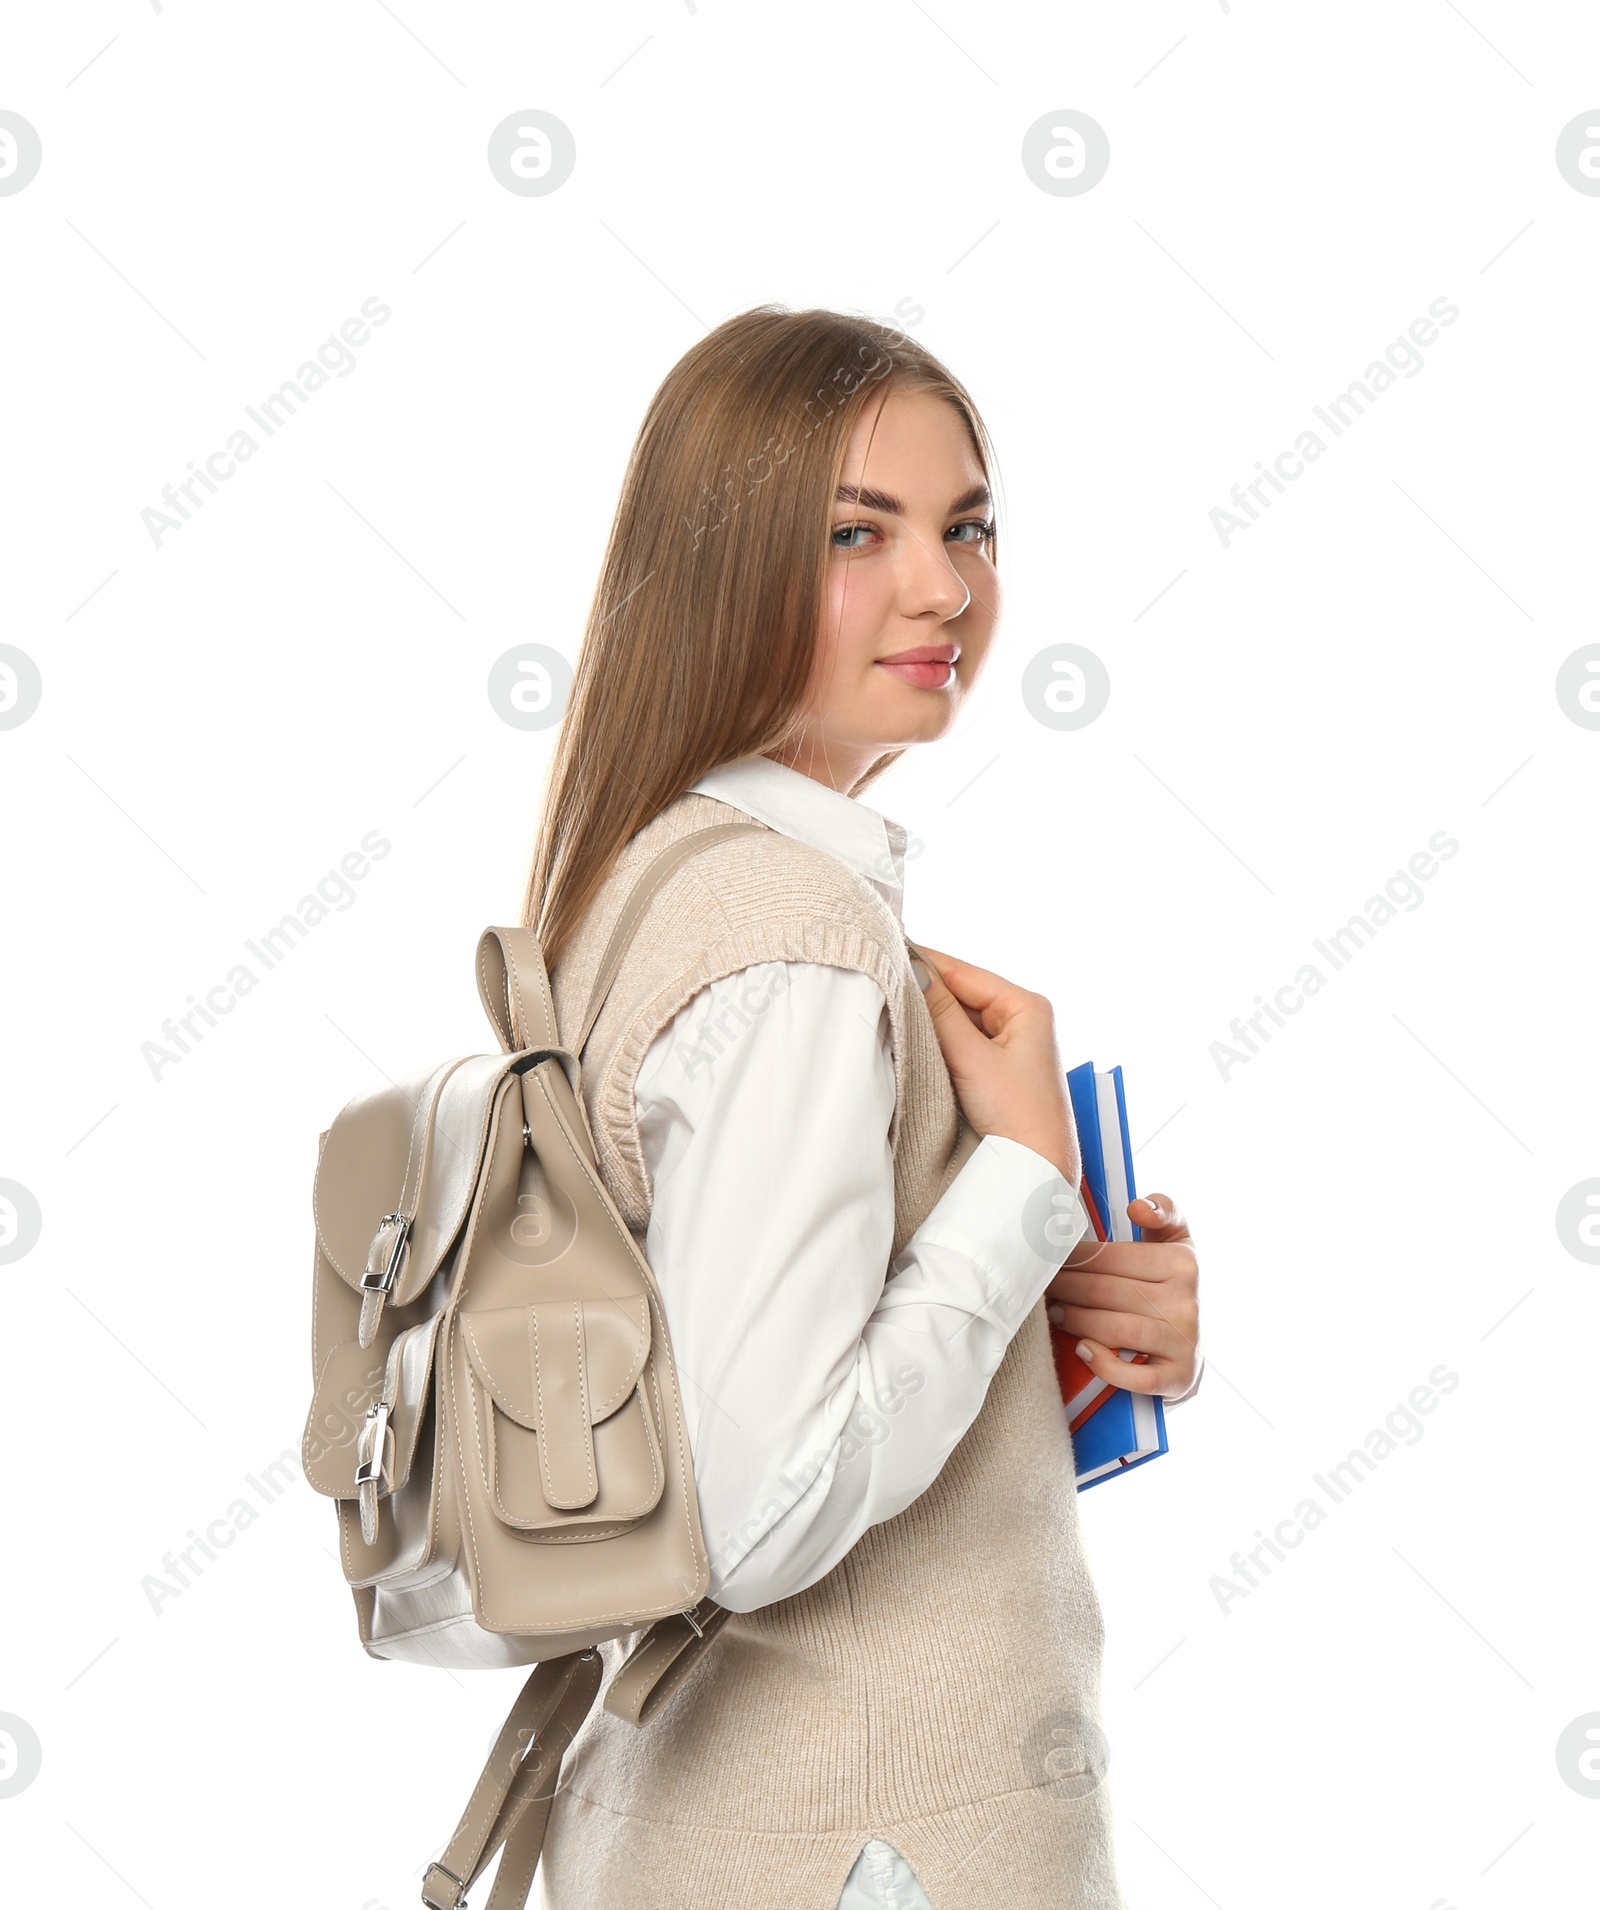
(930,673)
(926,653)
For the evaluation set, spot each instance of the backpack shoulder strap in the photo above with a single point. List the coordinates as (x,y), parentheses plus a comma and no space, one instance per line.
(661,1661)
(639,898)
(514,983)
(511,1801)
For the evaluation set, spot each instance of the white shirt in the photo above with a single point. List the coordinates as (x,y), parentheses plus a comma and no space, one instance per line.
(824,1387)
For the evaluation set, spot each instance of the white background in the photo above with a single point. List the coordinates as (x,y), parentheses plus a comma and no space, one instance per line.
(1292,716)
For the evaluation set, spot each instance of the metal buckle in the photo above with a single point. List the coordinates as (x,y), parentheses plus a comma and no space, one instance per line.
(381,1282)
(689,1613)
(369,1448)
(460,1900)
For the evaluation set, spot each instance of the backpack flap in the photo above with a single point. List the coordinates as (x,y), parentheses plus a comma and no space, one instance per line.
(567,1438)
(395,1178)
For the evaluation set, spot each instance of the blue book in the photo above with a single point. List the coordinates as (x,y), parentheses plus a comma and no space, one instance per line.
(1127,1431)
(1112,1430)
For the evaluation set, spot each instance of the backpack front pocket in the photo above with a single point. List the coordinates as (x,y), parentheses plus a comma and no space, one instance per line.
(567,1442)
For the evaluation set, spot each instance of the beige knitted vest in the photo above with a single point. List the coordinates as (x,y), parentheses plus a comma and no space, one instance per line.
(940,1687)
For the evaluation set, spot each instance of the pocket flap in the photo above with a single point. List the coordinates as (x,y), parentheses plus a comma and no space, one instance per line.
(559,1367)
(614,1342)
(353,1377)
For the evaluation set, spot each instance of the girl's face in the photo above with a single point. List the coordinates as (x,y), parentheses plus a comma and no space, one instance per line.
(912,594)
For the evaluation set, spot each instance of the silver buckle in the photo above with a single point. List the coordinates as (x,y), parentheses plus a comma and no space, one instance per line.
(460,1899)
(381,1282)
(369,1448)
(698,1628)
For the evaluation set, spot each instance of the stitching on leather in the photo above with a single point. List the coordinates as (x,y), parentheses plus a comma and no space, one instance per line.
(596,1186)
(538,1391)
(515,982)
(607,1405)
(584,1420)
(421,1125)
(583,1409)
(686,1473)
(477,1820)
(411,1192)
(542,978)
(466,1497)
(493,1385)
(442,1455)
(487,995)
(619,1521)
(432,1336)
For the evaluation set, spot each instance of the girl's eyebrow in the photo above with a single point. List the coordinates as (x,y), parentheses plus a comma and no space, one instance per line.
(873,500)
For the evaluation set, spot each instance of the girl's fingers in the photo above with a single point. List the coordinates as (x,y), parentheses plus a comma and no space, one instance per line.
(1136,1331)
(1165,1222)
(1112,1293)
(1145,1259)
(1132,1376)
(990,1000)
(958,1028)
(1150,1263)
(977,987)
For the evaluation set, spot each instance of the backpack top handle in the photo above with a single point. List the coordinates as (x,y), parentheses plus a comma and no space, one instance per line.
(514,988)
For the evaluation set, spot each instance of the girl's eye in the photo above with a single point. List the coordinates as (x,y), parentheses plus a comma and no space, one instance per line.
(844,536)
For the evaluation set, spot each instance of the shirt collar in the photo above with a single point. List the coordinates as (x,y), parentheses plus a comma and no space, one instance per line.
(798,805)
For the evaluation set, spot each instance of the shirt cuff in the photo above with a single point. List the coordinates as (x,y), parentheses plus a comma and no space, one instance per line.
(1016,1216)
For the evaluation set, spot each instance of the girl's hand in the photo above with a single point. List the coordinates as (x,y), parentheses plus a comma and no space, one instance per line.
(999,1042)
(1142,1294)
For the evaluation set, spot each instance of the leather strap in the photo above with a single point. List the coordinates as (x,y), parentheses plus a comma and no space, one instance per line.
(515,989)
(662,1661)
(639,900)
(510,1803)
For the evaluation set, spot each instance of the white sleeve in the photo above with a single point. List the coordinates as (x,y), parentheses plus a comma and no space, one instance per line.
(824,1388)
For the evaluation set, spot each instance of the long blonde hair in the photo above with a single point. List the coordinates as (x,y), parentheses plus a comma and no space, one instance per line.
(702,634)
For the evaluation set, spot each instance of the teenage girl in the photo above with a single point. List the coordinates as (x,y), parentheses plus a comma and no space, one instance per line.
(851,1163)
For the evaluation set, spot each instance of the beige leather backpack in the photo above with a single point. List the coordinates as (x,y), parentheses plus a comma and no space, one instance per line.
(496,1413)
